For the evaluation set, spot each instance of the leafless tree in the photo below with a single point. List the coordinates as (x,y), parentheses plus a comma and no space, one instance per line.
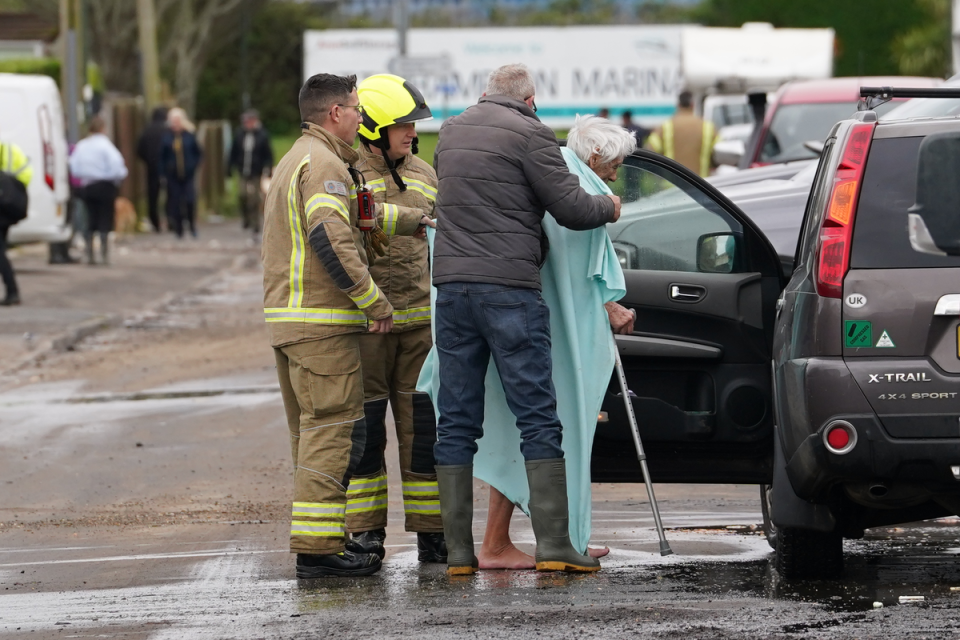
(112,29)
(188,32)
(191,30)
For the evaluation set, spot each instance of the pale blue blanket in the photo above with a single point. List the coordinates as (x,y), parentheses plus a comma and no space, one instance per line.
(580,275)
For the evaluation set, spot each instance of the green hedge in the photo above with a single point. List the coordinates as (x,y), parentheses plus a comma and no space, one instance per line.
(34,66)
(50,67)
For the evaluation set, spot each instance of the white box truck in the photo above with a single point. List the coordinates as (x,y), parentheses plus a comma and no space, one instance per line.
(581,69)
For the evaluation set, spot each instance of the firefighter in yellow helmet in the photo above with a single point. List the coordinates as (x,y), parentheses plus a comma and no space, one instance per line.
(406,187)
(686,138)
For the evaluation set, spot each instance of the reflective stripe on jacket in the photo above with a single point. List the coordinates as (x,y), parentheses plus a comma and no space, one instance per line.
(686,139)
(403,272)
(315,277)
(14,161)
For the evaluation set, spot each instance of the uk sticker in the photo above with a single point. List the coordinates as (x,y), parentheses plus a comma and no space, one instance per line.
(858,333)
(885,341)
(856,300)
(332,186)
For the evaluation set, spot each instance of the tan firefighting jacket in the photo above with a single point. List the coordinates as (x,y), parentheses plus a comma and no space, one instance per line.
(403,273)
(315,277)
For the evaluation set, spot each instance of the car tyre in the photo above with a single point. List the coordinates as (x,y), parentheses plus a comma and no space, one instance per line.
(769,529)
(805,554)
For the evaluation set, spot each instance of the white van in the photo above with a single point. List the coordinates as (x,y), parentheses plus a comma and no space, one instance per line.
(31,118)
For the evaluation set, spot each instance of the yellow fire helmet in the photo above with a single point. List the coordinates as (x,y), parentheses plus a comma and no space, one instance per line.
(388,100)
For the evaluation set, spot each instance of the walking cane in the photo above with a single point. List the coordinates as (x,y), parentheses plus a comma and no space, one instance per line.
(665,549)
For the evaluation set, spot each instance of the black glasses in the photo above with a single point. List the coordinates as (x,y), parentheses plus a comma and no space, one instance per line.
(533,104)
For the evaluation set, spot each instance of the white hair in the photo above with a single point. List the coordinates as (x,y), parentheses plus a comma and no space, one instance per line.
(179,114)
(511,80)
(595,135)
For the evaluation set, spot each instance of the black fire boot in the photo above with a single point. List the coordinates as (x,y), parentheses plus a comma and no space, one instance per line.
(550,518)
(344,564)
(368,542)
(431,547)
(11,299)
(456,509)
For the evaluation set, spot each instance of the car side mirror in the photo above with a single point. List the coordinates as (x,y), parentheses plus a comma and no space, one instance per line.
(728,152)
(934,221)
(717,252)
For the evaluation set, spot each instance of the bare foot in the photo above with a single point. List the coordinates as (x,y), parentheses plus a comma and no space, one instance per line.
(595,552)
(507,557)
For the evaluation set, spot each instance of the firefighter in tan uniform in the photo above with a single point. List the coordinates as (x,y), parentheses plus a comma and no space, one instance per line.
(686,138)
(319,299)
(407,188)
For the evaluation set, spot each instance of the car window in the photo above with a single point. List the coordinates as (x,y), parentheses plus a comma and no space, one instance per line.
(795,124)
(924,108)
(880,236)
(668,223)
(725,115)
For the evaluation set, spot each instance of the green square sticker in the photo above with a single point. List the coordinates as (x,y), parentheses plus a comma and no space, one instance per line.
(858,333)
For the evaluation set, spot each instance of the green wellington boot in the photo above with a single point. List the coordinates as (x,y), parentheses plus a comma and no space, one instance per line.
(550,518)
(456,508)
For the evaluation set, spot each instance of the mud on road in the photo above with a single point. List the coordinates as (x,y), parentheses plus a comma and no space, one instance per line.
(144,492)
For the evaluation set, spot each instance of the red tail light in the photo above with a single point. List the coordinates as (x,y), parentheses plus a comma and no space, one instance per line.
(48,164)
(46,134)
(833,254)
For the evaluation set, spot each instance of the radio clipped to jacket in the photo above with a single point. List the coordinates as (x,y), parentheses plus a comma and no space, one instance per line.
(367,214)
(375,240)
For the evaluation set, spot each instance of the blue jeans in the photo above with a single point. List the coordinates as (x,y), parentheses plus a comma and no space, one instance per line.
(473,322)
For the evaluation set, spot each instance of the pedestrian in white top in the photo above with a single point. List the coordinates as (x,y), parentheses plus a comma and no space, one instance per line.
(100,168)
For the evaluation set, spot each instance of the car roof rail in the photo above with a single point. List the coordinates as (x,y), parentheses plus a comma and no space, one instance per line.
(873,97)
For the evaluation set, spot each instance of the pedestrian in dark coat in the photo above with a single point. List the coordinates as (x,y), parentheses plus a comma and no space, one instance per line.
(148,150)
(252,157)
(500,169)
(180,157)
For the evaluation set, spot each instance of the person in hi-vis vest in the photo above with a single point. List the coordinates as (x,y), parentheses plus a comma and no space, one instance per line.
(14,162)
(686,138)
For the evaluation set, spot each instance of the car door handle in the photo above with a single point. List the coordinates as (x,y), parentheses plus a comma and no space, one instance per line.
(687,292)
(948,305)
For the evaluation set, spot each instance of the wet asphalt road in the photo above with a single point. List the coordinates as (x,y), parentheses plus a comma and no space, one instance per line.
(143,494)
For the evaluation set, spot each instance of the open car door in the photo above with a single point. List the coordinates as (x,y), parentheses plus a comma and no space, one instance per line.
(704,283)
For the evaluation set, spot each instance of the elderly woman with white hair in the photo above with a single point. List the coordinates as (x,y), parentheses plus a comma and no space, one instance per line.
(581,279)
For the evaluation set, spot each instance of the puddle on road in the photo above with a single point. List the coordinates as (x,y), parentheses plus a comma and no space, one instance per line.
(241,589)
(166,395)
(887,564)
(45,409)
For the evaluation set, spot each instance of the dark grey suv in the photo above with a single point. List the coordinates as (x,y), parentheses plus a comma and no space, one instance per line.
(860,424)
(866,360)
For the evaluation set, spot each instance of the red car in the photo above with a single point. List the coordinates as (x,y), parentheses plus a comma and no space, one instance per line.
(804,112)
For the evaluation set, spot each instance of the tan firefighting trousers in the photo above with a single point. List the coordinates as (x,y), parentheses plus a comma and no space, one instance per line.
(391,366)
(322,390)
